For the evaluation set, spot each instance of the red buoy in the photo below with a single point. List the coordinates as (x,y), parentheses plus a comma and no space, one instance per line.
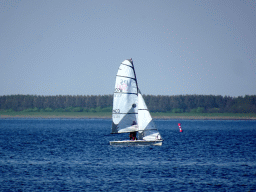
(180,127)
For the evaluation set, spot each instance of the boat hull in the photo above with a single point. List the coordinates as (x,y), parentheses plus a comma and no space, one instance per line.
(136,142)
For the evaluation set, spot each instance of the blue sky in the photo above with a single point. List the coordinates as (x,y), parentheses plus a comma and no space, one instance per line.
(70,47)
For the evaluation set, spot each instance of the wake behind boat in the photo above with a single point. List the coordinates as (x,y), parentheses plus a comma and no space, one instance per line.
(130,113)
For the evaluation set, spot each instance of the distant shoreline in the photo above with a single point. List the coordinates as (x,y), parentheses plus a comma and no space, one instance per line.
(155,117)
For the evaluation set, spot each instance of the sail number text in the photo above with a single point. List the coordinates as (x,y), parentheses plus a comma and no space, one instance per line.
(123,86)
(116,116)
(118,90)
(116,110)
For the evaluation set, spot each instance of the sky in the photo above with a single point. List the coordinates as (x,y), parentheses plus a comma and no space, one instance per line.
(68,47)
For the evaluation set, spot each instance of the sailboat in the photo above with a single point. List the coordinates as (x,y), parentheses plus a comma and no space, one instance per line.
(130,113)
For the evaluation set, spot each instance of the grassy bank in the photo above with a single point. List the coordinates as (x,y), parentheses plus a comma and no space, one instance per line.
(251,116)
(245,116)
(55,115)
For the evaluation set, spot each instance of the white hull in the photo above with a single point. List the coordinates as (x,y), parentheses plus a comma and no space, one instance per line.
(136,142)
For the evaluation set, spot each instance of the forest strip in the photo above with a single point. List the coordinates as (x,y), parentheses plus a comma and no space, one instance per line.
(107,115)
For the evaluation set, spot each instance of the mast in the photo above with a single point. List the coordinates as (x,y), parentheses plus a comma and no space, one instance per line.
(131,61)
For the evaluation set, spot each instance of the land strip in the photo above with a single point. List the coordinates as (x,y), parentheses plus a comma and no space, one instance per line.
(107,115)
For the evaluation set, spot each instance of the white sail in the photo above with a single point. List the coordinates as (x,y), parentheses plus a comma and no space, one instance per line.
(125,101)
(130,112)
(147,129)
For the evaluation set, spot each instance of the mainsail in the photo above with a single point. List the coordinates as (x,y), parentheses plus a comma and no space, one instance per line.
(130,112)
(125,110)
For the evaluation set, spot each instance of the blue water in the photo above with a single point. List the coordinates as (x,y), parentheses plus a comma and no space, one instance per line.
(75,155)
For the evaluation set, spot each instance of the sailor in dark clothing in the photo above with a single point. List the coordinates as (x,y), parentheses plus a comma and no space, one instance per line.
(132,136)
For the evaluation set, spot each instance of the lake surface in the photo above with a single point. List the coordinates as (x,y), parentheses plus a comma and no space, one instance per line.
(75,155)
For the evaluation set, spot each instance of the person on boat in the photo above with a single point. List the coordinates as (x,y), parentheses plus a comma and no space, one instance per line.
(133,136)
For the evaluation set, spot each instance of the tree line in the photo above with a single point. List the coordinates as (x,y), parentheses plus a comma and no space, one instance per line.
(155,103)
